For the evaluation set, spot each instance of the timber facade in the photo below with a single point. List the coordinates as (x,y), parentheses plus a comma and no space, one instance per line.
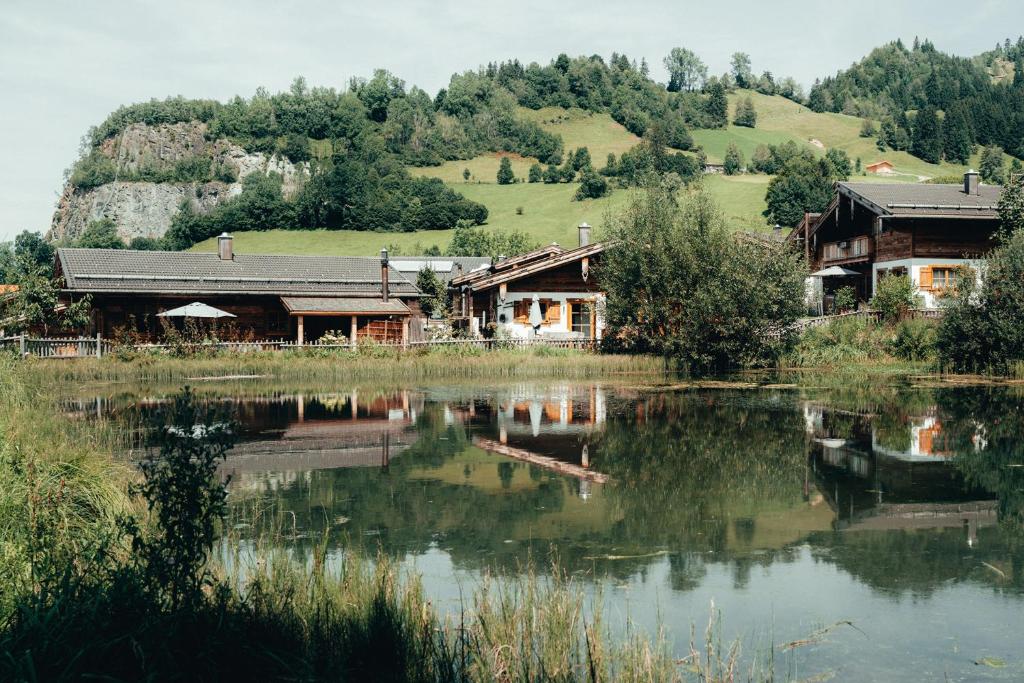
(927,232)
(285,298)
(500,298)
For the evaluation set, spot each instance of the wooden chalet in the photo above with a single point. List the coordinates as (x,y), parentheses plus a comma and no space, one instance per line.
(499,297)
(922,230)
(286,298)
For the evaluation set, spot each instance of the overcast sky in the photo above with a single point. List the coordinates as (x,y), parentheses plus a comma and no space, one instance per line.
(65,65)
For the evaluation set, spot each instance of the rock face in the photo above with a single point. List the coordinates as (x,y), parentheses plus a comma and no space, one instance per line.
(145,209)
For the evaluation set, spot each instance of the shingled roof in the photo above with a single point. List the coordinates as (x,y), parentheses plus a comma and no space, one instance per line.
(924,199)
(175,272)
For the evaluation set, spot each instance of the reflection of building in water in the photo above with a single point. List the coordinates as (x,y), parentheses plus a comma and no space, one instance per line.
(879,476)
(549,427)
(304,433)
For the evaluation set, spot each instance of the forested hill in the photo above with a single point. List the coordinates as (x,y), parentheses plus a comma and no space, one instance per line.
(174,172)
(904,86)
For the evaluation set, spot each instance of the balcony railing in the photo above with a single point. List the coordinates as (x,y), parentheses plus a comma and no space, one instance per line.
(843,250)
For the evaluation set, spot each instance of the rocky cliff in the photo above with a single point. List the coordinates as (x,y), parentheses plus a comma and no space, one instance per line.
(142,208)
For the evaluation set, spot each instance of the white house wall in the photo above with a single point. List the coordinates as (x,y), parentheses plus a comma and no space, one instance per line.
(562,328)
(914,266)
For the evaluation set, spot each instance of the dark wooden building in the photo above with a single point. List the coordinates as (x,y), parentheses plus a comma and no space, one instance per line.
(922,230)
(500,296)
(288,298)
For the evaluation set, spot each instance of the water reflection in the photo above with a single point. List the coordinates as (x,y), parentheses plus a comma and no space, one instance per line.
(815,502)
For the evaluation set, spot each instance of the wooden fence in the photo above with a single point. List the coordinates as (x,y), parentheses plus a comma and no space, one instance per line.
(875,316)
(97,347)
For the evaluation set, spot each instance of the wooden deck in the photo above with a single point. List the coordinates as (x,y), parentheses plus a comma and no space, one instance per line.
(544,461)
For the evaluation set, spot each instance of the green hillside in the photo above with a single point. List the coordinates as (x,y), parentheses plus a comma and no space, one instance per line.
(780,120)
(549,213)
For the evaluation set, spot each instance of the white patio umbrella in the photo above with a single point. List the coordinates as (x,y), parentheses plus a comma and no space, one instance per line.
(536,409)
(535,317)
(833,271)
(195,310)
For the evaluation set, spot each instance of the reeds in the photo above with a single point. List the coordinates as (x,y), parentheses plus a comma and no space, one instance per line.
(344,364)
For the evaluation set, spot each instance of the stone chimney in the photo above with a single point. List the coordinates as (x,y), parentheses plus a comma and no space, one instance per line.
(584,234)
(972,182)
(226,247)
(384,275)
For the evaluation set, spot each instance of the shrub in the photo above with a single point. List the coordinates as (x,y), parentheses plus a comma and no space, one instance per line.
(592,186)
(847,340)
(93,170)
(914,340)
(983,328)
(894,297)
(846,300)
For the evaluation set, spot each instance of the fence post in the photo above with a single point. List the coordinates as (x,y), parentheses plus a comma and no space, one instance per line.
(22,344)
(99,345)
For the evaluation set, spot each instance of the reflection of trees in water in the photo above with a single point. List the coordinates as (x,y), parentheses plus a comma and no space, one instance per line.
(986,426)
(691,472)
(922,561)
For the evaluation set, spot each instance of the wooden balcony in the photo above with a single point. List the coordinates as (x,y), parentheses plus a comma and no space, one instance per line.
(848,251)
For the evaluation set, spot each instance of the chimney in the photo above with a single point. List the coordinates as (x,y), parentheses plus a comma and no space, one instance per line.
(226,247)
(584,234)
(384,275)
(972,182)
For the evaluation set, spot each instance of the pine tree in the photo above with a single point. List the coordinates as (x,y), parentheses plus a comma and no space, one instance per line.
(505,174)
(536,173)
(926,142)
(956,142)
(717,106)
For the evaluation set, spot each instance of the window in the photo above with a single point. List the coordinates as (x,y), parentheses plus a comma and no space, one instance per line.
(939,277)
(582,315)
(277,322)
(943,278)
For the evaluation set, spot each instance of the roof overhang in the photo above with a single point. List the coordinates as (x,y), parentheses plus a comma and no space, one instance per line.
(319,305)
(534,267)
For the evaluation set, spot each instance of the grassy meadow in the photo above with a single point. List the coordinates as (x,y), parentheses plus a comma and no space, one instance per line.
(548,213)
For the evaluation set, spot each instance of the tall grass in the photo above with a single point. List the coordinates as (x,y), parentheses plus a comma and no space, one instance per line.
(58,483)
(78,605)
(369,363)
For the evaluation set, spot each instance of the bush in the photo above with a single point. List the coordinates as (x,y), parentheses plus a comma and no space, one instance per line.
(847,340)
(846,300)
(894,297)
(983,327)
(93,170)
(914,340)
(592,186)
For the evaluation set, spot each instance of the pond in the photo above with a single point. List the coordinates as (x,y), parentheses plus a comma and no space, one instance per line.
(886,519)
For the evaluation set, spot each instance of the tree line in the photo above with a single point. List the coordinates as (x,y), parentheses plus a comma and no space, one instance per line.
(933,105)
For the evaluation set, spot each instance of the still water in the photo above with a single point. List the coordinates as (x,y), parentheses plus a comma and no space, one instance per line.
(898,509)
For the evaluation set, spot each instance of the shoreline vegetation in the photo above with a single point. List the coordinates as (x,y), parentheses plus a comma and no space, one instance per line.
(86,559)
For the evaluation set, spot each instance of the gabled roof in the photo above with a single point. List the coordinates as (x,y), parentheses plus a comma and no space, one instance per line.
(542,253)
(498,277)
(174,272)
(924,199)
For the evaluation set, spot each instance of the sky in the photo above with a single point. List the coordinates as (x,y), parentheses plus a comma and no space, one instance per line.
(65,65)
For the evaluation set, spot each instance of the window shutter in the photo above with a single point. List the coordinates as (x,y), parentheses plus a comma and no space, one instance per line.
(554,311)
(925,278)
